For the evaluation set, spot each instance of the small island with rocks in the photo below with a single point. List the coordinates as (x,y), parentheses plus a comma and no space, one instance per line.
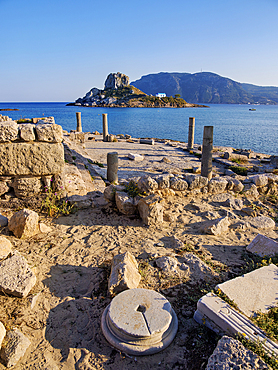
(119,93)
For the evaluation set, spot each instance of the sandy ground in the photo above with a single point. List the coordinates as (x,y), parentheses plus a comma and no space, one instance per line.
(72,265)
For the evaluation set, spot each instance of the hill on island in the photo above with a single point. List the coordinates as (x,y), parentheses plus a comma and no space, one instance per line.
(205,88)
(118,92)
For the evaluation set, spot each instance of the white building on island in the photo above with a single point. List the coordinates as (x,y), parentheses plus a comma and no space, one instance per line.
(160,95)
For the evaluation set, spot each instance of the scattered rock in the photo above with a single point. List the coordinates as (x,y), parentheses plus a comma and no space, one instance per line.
(163,181)
(199,269)
(234,203)
(125,204)
(231,354)
(261,222)
(251,191)
(217,185)
(2,333)
(3,221)
(74,183)
(5,247)
(24,223)
(196,181)
(263,246)
(216,227)
(15,348)
(124,274)
(177,243)
(240,226)
(147,184)
(135,157)
(151,209)
(259,180)
(249,211)
(178,184)
(16,277)
(44,228)
(80,201)
(167,264)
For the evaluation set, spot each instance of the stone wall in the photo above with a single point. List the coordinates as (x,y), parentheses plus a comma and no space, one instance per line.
(30,156)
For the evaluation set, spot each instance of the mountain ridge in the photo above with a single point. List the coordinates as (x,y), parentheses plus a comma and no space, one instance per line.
(206,88)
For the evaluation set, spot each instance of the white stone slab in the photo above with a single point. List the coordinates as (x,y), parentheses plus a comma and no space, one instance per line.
(135,157)
(139,322)
(255,291)
(263,246)
(219,316)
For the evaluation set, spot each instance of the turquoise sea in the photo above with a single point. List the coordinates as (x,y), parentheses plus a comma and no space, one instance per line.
(234,125)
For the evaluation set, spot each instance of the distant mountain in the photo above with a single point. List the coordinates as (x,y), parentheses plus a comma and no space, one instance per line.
(205,88)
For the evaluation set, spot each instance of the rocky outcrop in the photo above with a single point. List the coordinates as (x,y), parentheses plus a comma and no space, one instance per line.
(116,81)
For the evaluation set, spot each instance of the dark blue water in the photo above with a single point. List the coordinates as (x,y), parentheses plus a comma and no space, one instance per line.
(234,125)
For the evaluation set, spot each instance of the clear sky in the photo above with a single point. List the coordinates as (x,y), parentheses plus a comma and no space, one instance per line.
(58,50)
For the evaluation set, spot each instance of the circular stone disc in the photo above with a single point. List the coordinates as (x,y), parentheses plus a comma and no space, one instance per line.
(139,321)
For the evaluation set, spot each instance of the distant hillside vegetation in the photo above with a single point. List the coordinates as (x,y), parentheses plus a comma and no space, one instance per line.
(206,87)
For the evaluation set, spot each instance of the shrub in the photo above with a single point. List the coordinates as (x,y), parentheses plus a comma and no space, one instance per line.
(239,170)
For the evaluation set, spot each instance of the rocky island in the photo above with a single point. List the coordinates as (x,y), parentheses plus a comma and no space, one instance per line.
(119,93)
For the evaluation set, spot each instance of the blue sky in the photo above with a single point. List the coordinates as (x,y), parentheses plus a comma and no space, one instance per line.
(58,50)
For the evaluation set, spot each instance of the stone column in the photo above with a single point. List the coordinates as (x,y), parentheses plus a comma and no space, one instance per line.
(112,167)
(206,167)
(78,119)
(191,130)
(105,127)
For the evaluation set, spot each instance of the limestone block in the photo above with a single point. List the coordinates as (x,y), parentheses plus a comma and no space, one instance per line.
(16,277)
(251,191)
(49,132)
(263,246)
(2,333)
(147,184)
(44,228)
(261,222)
(178,184)
(255,291)
(151,209)
(27,186)
(125,204)
(217,185)
(220,317)
(4,188)
(167,264)
(231,354)
(80,201)
(17,344)
(259,180)
(24,223)
(235,185)
(5,248)
(110,192)
(3,221)
(199,269)
(135,157)
(44,120)
(163,181)
(35,159)
(124,274)
(26,132)
(74,184)
(8,131)
(216,227)
(196,181)
(235,203)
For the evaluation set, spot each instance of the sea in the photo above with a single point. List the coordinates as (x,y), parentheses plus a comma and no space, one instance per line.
(234,125)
